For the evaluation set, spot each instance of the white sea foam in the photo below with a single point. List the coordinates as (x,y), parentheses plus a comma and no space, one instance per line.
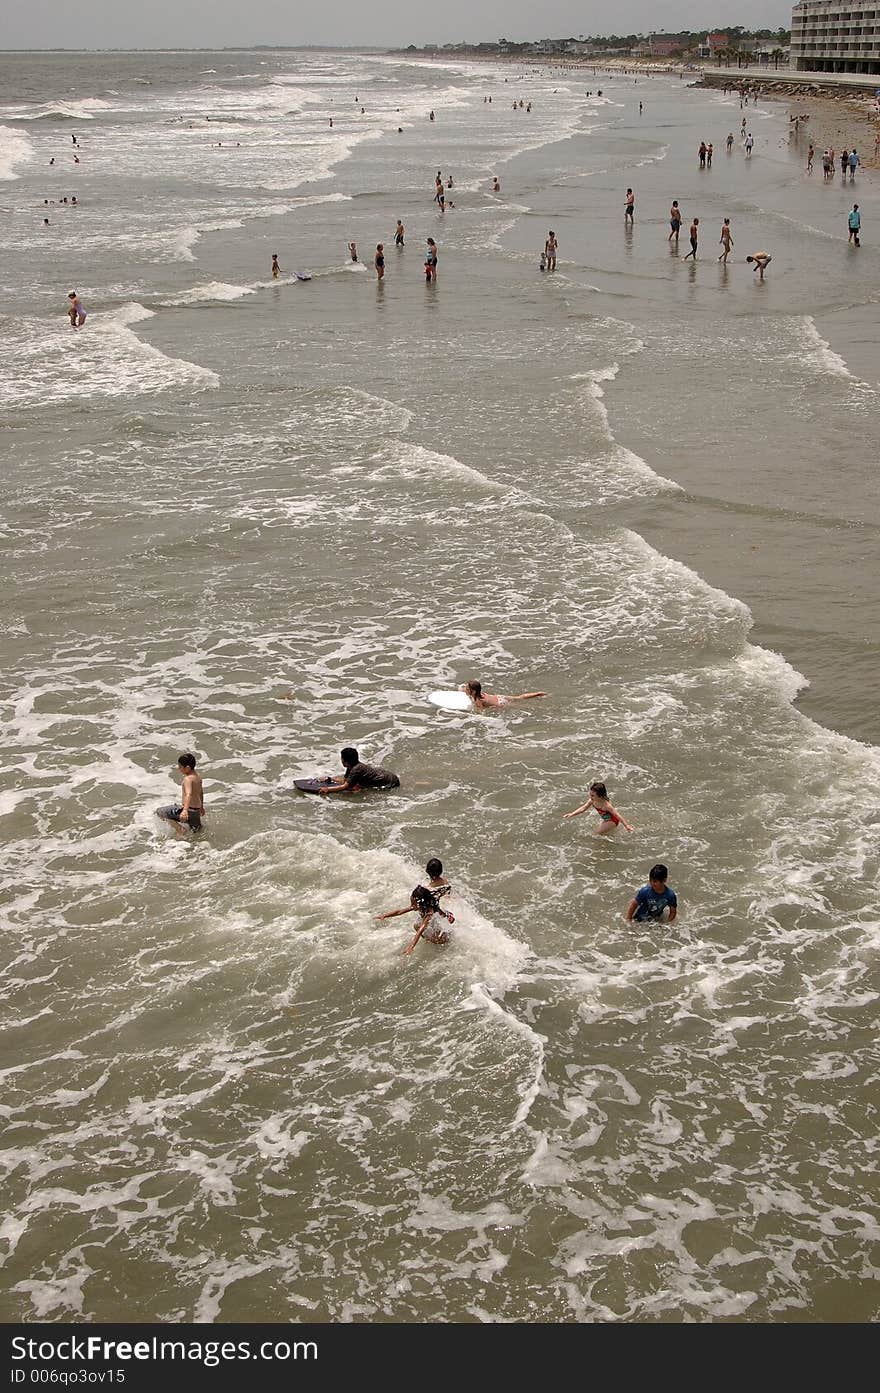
(819,350)
(15,149)
(46,362)
(211,292)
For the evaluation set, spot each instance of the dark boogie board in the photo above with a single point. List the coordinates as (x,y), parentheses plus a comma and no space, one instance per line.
(311,785)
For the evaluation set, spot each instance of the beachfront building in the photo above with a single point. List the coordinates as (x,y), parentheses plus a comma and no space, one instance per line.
(666,45)
(830,36)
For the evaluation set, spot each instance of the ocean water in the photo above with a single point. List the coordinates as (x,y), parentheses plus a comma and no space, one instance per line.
(262,520)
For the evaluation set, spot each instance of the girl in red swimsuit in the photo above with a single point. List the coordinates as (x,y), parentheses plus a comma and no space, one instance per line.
(608,814)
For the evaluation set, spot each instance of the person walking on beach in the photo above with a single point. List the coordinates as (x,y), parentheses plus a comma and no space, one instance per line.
(630,206)
(399,234)
(75,311)
(276,269)
(709,152)
(726,241)
(761,262)
(694,235)
(810,153)
(853,164)
(702,154)
(855,225)
(379,261)
(827,166)
(431,260)
(674,222)
(750,141)
(550,249)
(729,141)
(844,163)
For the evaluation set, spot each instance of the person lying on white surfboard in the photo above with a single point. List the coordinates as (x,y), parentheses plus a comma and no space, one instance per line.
(482,700)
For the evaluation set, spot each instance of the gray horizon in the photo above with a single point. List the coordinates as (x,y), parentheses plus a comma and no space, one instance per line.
(106,24)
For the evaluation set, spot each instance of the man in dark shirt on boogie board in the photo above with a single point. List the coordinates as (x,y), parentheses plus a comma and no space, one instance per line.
(359,776)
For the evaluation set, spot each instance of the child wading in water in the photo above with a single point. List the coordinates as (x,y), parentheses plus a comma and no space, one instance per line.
(609,817)
(425,902)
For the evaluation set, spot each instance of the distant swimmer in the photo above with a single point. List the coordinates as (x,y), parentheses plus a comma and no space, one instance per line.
(694,236)
(75,310)
(191,810)
(276,269)
(609,817)
(431,260)
(485,700)
(359,776)
(425,901)
(761,262)
(431,116)
(729,141)
(496,185)
(449,182)
(725,241)
(379,261)
(855,225)
(399,234)
(674,222)
(352,247)
(655,899)
(630,206)
(551,247)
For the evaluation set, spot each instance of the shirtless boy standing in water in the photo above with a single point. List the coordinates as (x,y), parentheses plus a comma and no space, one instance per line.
(190,812)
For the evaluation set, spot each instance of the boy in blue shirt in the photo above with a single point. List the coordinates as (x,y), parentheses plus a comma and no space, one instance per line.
(653,899)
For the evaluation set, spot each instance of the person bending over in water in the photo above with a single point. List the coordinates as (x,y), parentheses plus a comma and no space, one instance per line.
(190,812)
(482,700)
(608,814)
(75,311)
(359,776)
(761,261)
(425,901)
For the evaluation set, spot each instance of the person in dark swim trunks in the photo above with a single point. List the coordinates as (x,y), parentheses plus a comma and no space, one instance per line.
(608,814)
(425,902)
(379,260)
(190,812)
(359,776)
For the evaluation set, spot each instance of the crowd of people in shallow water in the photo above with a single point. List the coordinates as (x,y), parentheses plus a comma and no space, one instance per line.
(656,900)
(849,161)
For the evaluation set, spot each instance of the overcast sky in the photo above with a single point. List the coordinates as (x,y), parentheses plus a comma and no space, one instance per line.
(396,23)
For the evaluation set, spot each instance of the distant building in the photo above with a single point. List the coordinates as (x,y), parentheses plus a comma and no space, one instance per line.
(829,36)
(665,45)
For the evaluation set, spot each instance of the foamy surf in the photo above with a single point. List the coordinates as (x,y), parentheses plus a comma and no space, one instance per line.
(48,363)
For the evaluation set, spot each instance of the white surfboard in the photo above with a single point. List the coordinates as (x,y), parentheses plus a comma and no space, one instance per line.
(451,701)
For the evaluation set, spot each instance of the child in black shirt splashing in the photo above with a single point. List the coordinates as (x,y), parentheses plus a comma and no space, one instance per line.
(425,901)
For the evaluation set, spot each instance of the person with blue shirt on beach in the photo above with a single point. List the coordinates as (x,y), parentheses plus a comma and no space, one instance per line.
(855,225)
(654,899)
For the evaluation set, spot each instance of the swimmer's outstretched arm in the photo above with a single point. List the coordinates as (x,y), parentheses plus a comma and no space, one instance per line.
(419,931)
(527,696)
(395,913)
(341,787)
(584,807)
